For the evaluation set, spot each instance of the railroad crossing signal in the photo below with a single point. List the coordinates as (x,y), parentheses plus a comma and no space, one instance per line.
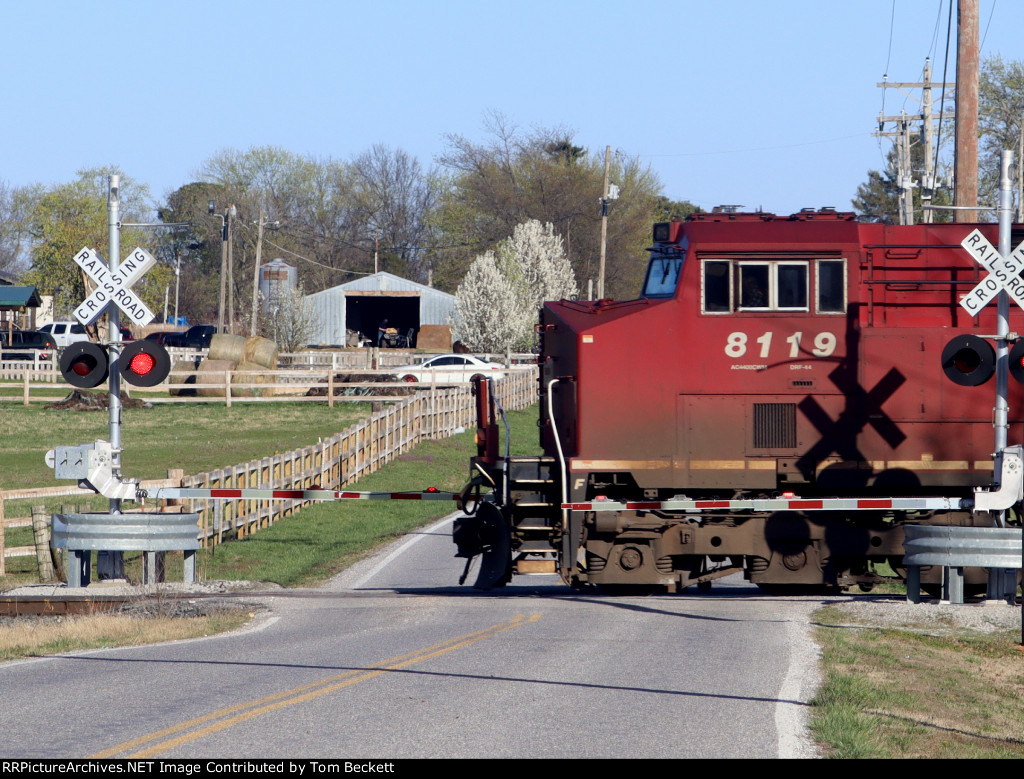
(86,365)
(114,287)
(1004,273)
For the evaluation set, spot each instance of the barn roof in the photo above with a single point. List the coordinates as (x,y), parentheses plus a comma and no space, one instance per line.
(383,282)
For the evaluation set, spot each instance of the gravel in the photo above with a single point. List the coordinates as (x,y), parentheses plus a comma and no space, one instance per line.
(930,616)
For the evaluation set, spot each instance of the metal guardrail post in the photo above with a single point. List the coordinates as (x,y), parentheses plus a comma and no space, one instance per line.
(955,548)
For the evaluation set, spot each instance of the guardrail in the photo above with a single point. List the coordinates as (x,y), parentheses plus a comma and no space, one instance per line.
(955,548)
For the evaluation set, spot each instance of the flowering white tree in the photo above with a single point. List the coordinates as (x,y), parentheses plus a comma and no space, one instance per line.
(488,316)
(497,304)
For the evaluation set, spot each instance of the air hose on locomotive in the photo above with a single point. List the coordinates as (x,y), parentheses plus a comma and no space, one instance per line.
(484,531)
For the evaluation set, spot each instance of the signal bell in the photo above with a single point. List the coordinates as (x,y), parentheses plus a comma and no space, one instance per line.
(969,360)
(142,363)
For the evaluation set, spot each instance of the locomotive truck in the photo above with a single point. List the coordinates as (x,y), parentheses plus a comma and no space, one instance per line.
(786,394)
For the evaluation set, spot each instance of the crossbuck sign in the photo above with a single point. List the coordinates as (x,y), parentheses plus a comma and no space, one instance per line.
(1004,273)
(114,287)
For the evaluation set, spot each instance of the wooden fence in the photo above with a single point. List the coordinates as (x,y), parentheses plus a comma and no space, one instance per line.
(331,464)
(306,371)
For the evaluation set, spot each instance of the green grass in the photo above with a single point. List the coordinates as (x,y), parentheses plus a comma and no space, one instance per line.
(347,530)
(194,437)
(322,539)
(893,693)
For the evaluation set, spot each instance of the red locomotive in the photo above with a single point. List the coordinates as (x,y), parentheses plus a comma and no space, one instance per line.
(798,358)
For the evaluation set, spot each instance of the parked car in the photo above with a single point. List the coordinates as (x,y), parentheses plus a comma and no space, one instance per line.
(196,337)
(449,368)
(160,337)
(65,332)
(27,345)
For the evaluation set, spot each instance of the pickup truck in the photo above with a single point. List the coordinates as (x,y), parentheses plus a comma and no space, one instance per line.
(196,337)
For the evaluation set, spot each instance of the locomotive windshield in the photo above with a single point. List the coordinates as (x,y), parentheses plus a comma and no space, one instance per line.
(662,276)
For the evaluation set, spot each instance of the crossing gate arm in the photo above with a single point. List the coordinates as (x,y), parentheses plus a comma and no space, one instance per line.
(186,493)
(778,504)
(1007,493)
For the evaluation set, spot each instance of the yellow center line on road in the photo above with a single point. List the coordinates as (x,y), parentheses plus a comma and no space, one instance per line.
(222,718)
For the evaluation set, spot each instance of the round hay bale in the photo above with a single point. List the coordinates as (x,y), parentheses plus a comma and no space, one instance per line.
(212,372)
(250,391)
(227,347)
(183,366)
(261,351)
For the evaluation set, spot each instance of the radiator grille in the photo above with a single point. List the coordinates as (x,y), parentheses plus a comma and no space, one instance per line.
(774,425)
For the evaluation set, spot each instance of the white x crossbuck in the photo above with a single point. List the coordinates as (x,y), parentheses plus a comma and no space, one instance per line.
(114,287)
(1004,273)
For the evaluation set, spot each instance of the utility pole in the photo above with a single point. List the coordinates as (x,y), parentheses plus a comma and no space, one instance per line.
(231,275)
(927,119)
(966,166)
(604,221)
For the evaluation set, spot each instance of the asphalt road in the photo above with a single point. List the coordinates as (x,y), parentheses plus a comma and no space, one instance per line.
(394,660)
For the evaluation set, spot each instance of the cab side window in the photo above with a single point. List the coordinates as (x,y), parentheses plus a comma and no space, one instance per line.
(776,284)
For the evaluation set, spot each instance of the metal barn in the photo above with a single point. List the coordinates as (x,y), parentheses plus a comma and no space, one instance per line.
(359,306)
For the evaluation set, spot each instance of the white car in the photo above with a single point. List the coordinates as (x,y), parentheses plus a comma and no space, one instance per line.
(449,368)
(65,333)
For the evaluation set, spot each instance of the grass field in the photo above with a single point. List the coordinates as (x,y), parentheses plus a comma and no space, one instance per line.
(196,438)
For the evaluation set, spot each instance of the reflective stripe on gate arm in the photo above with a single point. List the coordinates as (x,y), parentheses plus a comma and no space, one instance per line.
(186,493)
(778,504)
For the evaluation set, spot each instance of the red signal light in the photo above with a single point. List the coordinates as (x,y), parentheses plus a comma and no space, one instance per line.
(144,363)
(141,364)
(1017,361)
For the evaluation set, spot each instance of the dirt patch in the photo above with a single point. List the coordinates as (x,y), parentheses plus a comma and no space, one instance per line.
(93,401)
(346,384)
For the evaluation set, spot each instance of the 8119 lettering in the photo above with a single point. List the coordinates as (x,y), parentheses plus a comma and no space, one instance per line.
(736,345)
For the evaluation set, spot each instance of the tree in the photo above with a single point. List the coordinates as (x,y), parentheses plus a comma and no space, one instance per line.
(333,216)
(394,198)
(497,303)
(490,188)
(877,199)
(67,217)
(291,321)
(1000,118)
(197,248)
(15,207)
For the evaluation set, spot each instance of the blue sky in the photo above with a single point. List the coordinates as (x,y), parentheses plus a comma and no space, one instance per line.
(758,103)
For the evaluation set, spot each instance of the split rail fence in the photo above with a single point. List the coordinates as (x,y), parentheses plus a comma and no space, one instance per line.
(334,463)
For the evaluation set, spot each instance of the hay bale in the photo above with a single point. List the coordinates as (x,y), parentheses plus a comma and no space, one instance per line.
(434,338)
(183,366)
(261,351)
(227,347)
(261,378)
(212,372)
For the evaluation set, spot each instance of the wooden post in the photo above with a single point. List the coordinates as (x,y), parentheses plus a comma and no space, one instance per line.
(25,389)
(3,539)
(330,389)
(227,387)
(41,533)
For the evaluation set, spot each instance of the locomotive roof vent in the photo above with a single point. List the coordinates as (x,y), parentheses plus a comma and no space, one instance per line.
(827,212)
